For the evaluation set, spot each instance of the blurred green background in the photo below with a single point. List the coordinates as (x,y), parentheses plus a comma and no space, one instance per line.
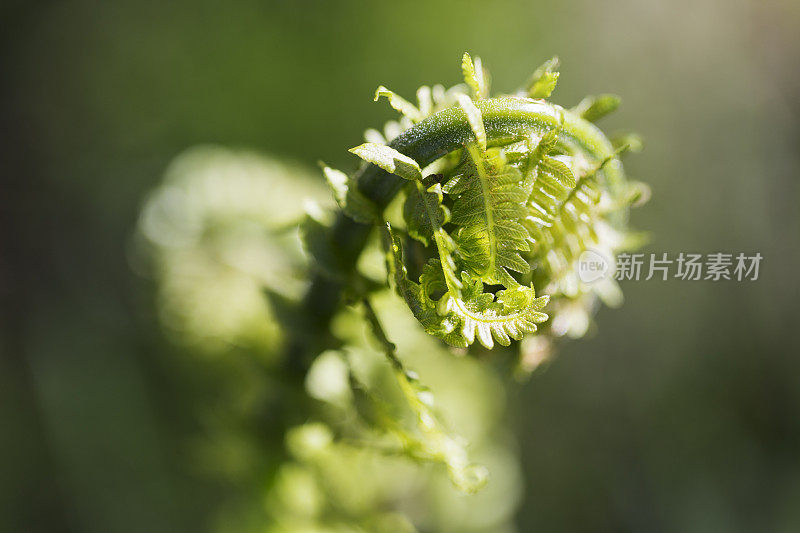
(681,413)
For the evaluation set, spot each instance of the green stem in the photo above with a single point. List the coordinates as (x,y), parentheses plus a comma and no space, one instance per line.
(387,346)
(505,119)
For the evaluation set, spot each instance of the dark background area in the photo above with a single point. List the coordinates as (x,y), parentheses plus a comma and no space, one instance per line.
(681,413)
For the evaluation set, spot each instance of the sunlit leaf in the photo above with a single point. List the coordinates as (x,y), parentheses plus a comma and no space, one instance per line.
(544,80)
(389,160)
(593,108)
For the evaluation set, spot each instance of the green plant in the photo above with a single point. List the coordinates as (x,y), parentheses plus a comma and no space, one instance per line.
(475,211)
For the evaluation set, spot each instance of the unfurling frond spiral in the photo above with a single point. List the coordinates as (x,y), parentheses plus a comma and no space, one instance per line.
(501,194)
(484,205)
(463,314)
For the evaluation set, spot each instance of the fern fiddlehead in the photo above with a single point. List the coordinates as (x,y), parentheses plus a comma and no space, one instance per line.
(516,189)
(484,206)
(501,196)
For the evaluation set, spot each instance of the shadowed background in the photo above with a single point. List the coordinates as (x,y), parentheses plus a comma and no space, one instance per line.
(680,413)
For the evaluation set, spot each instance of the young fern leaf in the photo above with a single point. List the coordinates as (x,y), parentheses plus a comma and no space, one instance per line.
(487,208)
(474,118)
(472,312)
(593,108)
(416,295)
(572,224)
(512,181)
(460,316)
(475,76)
(549,180)
(389,160)
(423,210)
(541,195)
(400,104)
(426,213)
(489,204)
(435,215)
(515,312)
(349,198)
(627,142)
(544,79)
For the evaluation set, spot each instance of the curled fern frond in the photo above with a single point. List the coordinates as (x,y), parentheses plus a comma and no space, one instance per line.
(512,314)
(501,194)
(462,314)
(499,199)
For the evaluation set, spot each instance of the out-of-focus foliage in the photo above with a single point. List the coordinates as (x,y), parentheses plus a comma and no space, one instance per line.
(219,232)
(223,219)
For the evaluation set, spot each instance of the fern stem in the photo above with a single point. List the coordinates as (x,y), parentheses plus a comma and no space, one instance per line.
(388,347)
(505,118)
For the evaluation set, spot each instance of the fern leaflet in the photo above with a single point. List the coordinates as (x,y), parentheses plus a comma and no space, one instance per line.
(489,204)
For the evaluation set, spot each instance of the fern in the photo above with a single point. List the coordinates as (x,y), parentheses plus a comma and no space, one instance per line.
(514,313)
(497,198)
(543,81)
(462,314)
(536,197)
(475,76)
(417,295)
(348,197)
(489,204)
(593,108)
